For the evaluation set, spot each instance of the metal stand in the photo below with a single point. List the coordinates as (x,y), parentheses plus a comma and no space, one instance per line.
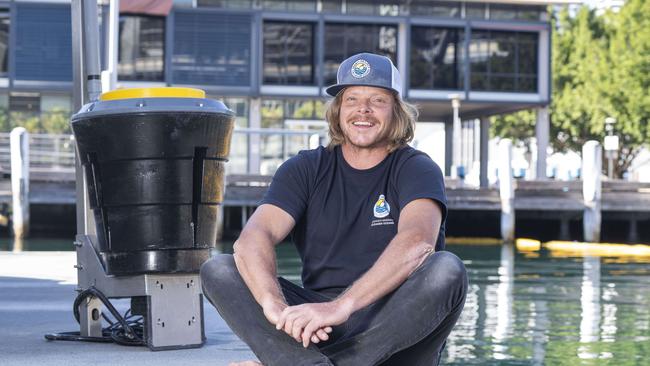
(174,302)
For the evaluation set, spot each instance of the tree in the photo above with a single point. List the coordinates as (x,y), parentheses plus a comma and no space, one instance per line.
(625,82)
(600,69)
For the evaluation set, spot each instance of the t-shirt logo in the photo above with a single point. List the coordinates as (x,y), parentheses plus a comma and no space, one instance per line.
(382,208)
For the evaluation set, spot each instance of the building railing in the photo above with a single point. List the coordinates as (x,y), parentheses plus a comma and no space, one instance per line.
(53,152)
(56,152)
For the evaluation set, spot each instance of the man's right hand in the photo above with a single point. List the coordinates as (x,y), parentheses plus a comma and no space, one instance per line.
(273,308)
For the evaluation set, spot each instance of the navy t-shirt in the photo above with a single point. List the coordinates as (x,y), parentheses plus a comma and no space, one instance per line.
(346,217)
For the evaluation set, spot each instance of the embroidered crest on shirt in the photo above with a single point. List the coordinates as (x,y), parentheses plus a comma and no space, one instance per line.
(382,208)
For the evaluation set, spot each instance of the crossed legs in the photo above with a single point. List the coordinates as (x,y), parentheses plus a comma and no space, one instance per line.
(407,327)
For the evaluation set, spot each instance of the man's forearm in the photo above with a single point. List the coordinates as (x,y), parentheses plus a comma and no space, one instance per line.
(401,257)
(255,259)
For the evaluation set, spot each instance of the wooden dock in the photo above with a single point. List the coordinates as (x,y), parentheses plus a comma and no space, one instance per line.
(560,201)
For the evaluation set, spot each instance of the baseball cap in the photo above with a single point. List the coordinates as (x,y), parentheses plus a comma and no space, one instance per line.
(367,69)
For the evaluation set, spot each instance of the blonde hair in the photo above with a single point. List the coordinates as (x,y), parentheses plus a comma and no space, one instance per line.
(401,129)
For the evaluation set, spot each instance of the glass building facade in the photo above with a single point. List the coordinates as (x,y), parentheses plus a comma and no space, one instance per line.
(271,61)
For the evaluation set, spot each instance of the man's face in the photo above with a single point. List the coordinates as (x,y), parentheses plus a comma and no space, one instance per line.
(365,115)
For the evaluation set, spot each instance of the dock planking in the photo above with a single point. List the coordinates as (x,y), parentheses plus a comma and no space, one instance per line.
(58,188)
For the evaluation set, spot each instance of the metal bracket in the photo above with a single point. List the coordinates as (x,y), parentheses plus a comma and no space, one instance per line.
(174,316)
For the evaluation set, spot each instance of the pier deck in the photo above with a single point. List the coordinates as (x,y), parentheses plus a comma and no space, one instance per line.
(58,187)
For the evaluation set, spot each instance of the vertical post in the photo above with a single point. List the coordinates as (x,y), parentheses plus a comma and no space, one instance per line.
(19,142)
(109,76)
(91,49)
(591,189)
(484,158)
(254,122)
(506,191)
(542,128)
(449,146)
(456,169)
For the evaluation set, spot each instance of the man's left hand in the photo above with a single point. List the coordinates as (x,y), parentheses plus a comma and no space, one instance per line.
(303,321)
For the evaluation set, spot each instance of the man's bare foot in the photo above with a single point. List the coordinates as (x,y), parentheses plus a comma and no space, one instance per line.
(245,363)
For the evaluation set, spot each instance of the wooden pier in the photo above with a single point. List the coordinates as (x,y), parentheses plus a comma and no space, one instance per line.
(561,202)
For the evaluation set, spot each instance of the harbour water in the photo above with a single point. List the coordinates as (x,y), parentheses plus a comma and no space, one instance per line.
(526,308)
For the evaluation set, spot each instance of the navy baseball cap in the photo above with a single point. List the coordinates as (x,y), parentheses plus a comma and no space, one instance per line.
(367,69)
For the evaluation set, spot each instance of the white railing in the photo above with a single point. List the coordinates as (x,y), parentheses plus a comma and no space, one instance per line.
(46,152)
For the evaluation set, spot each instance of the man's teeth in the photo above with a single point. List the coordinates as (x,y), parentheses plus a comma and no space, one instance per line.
(361,123)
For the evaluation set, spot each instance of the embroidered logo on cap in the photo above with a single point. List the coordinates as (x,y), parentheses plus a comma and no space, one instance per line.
(360,68)
(382,208)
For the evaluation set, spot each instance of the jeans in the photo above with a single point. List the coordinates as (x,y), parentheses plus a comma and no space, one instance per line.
(409,326)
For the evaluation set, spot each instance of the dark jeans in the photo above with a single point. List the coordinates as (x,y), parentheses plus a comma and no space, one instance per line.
(406,327)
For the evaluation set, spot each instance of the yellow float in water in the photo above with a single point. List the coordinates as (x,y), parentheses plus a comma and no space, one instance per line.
(473,241)
(528,245)
(570,248)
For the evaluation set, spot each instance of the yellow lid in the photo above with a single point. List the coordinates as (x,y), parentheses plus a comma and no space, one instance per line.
(152,93)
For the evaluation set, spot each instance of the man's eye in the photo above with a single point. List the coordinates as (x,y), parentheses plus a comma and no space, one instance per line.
(379,101)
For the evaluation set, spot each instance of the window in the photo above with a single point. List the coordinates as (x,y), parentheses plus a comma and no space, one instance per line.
(211,48)
(437,56)
(238,158)
(344,40)
(443,9)
(141,48)
(288,53)
(369,7)
(503,61)
(512,12)
(302,5)
(5,20)
(226,4)
(475,10)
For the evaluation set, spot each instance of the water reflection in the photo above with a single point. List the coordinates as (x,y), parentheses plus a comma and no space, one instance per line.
(590,303)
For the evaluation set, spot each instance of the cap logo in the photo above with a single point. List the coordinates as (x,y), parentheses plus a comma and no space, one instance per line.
(360,68)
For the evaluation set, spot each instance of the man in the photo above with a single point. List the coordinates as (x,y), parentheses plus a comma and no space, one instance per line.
(367,217)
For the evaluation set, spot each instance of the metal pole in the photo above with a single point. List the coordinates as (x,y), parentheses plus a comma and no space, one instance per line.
(457,143)
(506,191)
(19,142)
(591,189)
(91,49)
(109,76)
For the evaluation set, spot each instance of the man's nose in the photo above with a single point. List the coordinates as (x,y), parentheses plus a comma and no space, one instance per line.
(364,106)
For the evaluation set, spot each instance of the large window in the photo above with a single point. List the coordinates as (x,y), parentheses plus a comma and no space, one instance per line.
(211,48)
(345,40)
(503,61)
(142,48)
(288,53)
(5,20)
(224,4)
(519,12)
(295,5)
(437,56)
(238,158)
(306,116)
(442,9)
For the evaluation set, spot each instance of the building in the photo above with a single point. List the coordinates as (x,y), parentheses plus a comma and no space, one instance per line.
(270,61)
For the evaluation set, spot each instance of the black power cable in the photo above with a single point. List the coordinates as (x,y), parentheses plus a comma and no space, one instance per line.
(127,330)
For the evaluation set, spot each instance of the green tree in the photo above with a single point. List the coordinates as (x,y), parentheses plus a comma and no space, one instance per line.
(56,121)
(625,80)
(600,69)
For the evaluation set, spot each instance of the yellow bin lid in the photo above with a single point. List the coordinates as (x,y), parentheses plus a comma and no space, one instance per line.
(134,93)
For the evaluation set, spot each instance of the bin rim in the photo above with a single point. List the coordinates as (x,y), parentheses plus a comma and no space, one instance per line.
(159,92)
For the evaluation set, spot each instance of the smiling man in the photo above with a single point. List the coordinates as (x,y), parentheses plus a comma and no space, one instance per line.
(367,217)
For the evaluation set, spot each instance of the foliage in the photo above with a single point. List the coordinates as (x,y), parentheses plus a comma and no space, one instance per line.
(600,69)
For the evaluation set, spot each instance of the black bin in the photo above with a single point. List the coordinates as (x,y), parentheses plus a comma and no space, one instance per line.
(154,162)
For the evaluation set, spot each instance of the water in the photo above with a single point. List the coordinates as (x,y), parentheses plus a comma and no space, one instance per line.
(527,308)
(539,309)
